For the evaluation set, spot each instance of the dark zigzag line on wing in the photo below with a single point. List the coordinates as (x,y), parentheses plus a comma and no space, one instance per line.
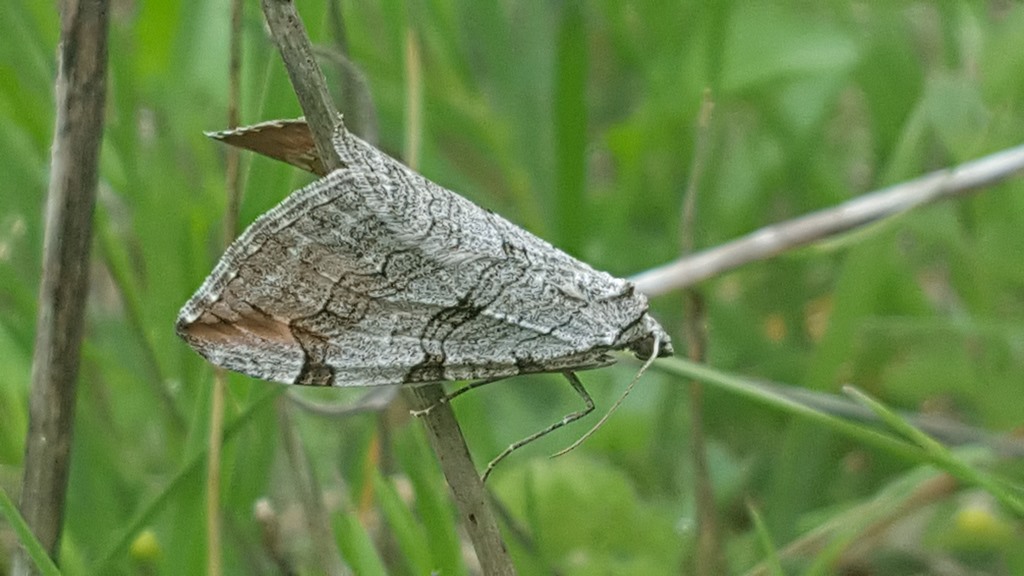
(511,250)
(537,333)
(273,221)
(452,318)
(406,178)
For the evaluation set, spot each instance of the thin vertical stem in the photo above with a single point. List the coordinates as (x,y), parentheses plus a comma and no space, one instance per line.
(318,524)
(81,102)
(233,185)
(233,181)
(307,78)
(709,559)
(213,474)
(443,430)
(413,99)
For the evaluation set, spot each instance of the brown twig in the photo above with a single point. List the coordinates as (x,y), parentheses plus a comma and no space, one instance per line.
(81,102)
(413,99)
(709,559)
(360,114)
(328,560)
(357,102)
(307,79)
(469,493)
(233,185)
(776,239)
(443,430)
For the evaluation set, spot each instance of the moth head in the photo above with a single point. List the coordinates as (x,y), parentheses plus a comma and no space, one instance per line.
(652,335)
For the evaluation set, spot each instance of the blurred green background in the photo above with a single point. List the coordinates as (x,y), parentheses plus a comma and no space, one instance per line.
(577,121)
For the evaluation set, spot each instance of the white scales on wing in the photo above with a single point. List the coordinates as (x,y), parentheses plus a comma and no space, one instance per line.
(374,275)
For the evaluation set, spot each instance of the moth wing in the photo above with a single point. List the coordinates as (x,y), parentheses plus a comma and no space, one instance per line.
(375,275)
(542,287)
(289,141)
(319,290)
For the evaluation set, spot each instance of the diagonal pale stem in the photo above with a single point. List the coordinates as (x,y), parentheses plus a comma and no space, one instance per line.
(443,430)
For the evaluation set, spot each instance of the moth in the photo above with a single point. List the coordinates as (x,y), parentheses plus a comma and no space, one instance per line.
(373,275)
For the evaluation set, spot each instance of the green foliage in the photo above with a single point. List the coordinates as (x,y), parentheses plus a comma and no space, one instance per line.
(35,550)
(575,120)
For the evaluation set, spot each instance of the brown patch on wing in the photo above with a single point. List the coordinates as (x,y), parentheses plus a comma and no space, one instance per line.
(213,328)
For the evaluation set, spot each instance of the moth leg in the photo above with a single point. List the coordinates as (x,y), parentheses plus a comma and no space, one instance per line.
(449,397)
(569,418)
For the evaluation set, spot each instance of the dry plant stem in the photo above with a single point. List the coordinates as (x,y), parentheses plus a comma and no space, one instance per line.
(443,430)
(233,185)
(328,560)
(213,474)
(308,82)
(413,99)
(71,198)
(708,559)
(776,239)
(304,72)
(467,489)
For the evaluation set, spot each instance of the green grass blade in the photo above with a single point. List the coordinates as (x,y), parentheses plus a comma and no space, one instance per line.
(409,534)
(926,450)
(356,545)
(938,454)
(145,517)
(751,391)
(772,561)
(28,539)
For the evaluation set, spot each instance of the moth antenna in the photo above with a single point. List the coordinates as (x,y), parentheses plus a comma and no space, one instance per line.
(647,364)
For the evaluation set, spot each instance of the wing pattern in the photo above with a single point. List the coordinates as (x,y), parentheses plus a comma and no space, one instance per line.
(374,275)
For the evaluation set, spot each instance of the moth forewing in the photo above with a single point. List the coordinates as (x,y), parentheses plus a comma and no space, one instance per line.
(374,275)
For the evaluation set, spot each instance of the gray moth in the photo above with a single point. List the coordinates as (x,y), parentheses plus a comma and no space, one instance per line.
(374,275)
